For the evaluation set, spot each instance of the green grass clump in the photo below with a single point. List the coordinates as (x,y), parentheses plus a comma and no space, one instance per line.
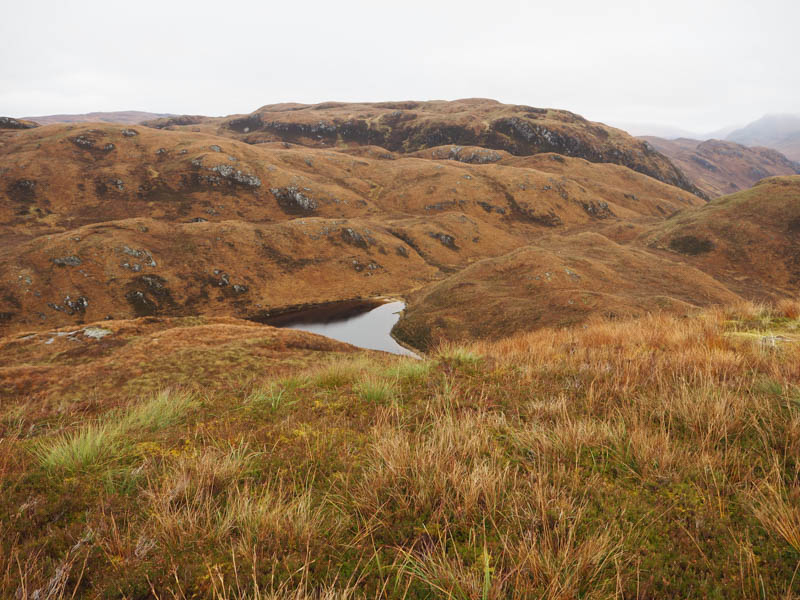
(96,446)
(409,370)
(337,374)
(376,390)
(458,356)
(163,410)
(89,448)
(274,395)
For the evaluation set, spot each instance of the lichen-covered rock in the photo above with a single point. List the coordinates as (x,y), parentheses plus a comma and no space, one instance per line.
(88,143)
(70,306)
(67,261)
(83,141)
(599,210)
(352,237)
(477,156)
(293,201)
(448,241)
(236,176)
(130,132)
(136,253)
(97,333)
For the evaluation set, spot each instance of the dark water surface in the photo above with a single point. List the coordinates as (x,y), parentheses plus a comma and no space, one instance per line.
(369,329)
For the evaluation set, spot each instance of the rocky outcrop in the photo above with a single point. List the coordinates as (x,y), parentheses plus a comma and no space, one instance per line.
(293,201)
(175,121)
(236,176)
(12,123)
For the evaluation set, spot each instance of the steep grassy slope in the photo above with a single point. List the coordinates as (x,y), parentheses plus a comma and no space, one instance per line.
(650,458)
(109,220)
(413,126)
(720,168)
(750,241)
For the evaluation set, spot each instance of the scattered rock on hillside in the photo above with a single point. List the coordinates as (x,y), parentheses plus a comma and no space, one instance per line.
(352,237)
(293,201)
(237,176)
(448,241)
(96,333)
(67,261)
(70,306)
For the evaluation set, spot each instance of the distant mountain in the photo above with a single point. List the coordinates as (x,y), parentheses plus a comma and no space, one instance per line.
(669,132)
(721,167)
(125,117)
(781,132)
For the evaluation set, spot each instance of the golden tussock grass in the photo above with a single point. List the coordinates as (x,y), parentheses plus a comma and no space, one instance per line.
(621,459)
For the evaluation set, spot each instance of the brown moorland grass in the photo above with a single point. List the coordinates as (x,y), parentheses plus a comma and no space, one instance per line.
(653,457)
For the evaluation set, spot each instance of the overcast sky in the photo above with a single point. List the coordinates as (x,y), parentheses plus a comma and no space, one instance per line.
(699,65)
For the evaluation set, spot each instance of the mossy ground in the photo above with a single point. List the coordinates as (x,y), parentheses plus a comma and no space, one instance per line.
(630,459)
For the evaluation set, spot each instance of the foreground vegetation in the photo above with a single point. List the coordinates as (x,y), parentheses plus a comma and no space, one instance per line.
(647,458)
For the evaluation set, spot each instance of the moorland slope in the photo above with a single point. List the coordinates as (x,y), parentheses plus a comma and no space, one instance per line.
(115,221)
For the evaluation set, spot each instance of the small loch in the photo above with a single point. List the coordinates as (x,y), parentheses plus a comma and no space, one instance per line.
(363,324)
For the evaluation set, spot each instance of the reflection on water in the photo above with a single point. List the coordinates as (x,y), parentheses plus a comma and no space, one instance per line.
(370,329)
